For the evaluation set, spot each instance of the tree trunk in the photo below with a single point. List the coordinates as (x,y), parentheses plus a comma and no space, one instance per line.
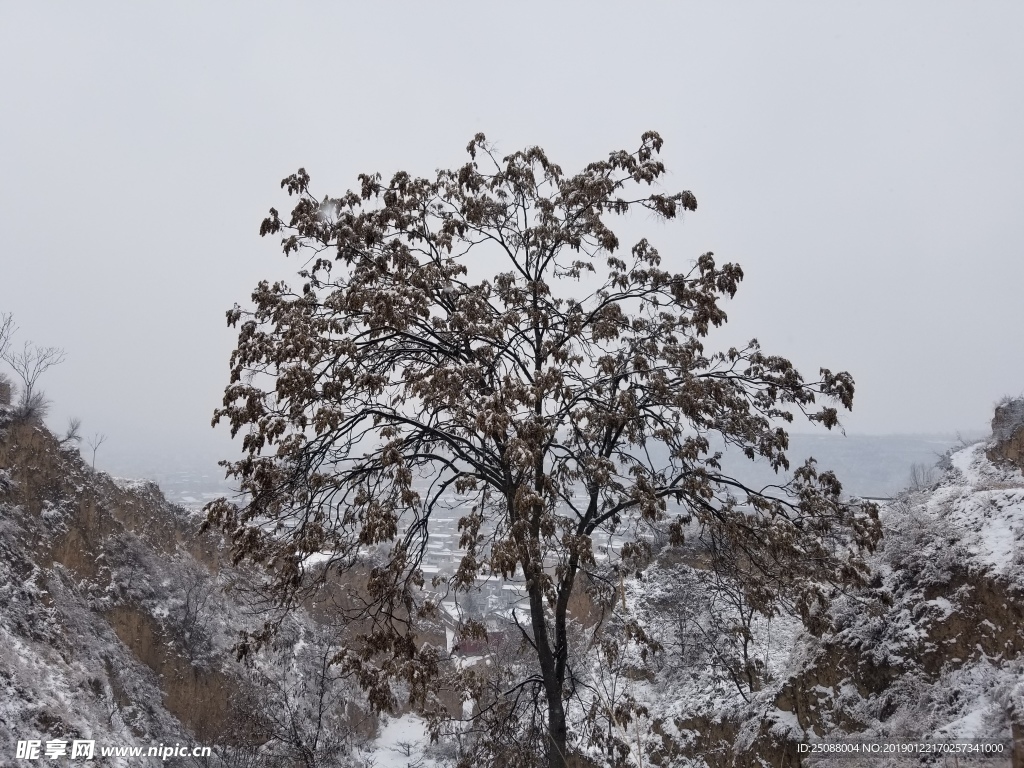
(557,757)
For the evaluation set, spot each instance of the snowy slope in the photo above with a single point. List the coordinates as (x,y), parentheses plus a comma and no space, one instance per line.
(934,650)
(118,621)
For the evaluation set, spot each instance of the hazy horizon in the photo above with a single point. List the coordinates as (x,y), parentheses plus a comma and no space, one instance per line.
(862,164)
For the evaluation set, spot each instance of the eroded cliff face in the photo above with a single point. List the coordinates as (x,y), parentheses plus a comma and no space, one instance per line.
(1008,433)
(118,619)
(100,642)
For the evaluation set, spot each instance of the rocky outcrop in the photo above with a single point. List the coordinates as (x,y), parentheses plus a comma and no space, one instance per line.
(118,620)
(1008,433)
(102,563)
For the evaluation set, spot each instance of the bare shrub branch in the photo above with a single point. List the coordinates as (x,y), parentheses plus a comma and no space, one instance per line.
(73,434)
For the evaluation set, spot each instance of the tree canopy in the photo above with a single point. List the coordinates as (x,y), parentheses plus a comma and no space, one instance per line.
(483,338)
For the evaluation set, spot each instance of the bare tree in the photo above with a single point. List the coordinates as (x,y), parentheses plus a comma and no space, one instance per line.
(564,399)
(7,330)
(29,364)
(305,703)
(192,624)
(94,443)
(922,476)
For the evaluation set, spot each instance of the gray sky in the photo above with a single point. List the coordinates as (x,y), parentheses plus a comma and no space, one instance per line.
(863,162)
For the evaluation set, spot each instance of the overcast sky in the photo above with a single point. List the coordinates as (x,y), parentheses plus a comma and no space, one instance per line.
(863,162)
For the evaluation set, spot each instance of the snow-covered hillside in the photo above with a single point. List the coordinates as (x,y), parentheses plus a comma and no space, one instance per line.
(118,620)
(933,650)
(117,624)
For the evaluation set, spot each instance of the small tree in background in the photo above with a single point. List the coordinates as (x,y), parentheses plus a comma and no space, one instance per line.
(481,334)
(94,444)
(922,476)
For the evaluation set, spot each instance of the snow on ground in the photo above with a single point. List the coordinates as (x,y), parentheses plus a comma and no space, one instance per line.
(401,744)
(987,502)
(973,520)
